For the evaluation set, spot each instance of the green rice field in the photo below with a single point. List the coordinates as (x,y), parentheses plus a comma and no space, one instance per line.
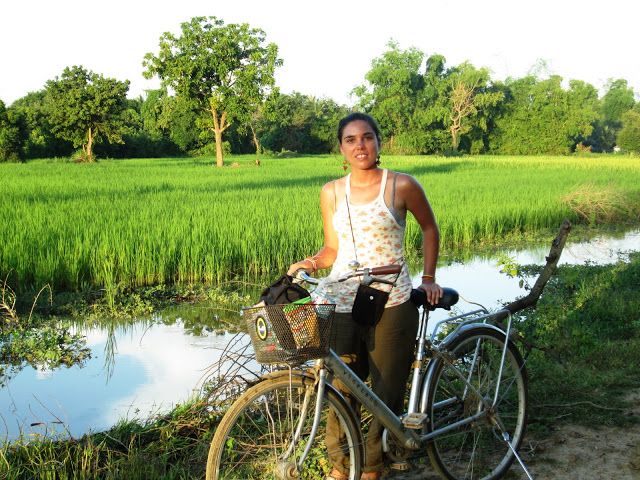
(129,223)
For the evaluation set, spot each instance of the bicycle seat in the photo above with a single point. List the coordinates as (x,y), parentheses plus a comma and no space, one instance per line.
(448,300)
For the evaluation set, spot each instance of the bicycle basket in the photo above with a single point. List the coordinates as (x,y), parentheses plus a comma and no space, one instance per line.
(291,333)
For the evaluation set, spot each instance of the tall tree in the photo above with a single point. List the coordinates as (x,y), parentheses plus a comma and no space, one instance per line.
(617,101)
(85,107)
(470,94)
(428,132)
(393,85)
(226,70)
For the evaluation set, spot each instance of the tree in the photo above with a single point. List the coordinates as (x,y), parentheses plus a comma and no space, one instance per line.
(618,100)
(469,96)
(300,123)
(85,107)
(392,88)
(39,140)
(540,117)
(629,136)
(427,133)
(10,144)
(226,70)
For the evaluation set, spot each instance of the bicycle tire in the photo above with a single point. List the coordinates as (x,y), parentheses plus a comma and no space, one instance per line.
(259,427)
(476,451)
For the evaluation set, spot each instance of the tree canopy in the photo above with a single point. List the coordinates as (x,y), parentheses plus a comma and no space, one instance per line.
(9,136)
(629,137)
(85,107)
(218,80)
(226,70)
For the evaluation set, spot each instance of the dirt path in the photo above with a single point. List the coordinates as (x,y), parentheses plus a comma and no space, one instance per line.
(575,453)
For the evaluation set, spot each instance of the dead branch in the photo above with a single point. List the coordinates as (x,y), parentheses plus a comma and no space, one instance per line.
(552,259)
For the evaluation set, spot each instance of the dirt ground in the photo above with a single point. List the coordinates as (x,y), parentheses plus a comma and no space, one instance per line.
(575,453)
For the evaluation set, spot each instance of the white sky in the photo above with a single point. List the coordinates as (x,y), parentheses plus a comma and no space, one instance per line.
(328,45)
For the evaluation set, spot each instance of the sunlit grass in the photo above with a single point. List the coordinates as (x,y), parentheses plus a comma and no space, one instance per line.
(154,221)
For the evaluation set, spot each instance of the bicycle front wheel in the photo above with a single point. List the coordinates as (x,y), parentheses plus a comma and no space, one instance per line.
(265,431)
(462,395)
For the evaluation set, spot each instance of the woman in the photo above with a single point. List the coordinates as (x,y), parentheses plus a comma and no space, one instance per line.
(364,216)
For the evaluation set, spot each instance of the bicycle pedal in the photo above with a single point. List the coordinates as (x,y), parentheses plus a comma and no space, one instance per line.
(400,466)
(415,420)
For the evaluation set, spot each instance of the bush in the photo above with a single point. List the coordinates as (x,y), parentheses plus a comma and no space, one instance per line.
(601,204)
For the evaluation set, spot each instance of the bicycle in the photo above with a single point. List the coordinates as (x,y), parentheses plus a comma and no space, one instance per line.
(467,404)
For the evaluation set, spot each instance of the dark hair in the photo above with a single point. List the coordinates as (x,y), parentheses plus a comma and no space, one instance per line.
(352,117)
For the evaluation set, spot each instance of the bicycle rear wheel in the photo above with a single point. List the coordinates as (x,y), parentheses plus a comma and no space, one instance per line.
(255,439)
(477,449)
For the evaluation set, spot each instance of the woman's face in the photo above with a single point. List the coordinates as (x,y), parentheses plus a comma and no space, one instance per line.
(359,145)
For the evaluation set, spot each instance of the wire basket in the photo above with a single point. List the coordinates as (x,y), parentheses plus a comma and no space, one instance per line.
(291,333)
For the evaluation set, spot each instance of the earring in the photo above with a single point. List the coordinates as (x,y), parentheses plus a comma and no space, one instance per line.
(345,164)
(378,162)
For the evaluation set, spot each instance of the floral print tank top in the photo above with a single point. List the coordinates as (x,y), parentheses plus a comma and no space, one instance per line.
(379,240)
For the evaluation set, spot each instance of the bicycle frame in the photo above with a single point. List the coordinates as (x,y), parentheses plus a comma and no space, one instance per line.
(407,437)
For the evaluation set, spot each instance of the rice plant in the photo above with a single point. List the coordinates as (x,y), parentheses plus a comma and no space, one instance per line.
(126,223)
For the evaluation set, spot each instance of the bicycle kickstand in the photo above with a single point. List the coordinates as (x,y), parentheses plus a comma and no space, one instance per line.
(507,438)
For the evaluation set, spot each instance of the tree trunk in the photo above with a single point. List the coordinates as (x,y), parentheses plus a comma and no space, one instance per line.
(87,148)
(454,138)
(256,141)
(219,153)
(219,126)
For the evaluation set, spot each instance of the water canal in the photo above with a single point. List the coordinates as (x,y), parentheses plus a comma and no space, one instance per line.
(149,366)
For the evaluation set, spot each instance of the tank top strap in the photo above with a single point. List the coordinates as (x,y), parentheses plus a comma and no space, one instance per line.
(383,185)
(347,186)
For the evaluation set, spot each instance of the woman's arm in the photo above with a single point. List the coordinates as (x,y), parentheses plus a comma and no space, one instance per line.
(411,196)
(325,257)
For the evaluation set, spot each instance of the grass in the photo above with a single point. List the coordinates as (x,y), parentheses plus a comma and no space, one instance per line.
(174,446)
(119,224)
(587,335)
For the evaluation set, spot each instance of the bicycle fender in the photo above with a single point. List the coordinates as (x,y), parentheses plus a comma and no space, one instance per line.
(465,328)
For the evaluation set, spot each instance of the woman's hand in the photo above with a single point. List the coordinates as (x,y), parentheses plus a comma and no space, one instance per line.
(306,265)
(433,290)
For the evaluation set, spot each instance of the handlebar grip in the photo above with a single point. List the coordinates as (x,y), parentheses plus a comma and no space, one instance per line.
(304,276)
(386,270)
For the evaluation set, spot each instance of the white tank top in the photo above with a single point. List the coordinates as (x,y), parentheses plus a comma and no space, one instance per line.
(379,240)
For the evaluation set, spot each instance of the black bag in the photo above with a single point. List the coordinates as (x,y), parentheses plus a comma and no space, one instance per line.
(368,305)
(282,291)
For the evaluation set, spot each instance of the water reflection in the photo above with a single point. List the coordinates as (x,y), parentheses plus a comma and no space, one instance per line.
(147,367)
(155,366)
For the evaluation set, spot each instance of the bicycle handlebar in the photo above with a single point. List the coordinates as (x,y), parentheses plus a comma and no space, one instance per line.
(418,296)
(361,272)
